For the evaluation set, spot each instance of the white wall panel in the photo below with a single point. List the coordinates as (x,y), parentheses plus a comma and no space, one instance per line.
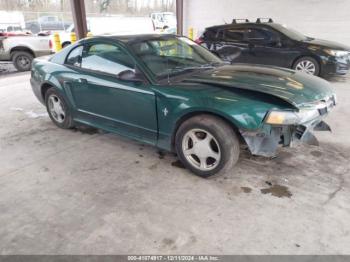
(327,19)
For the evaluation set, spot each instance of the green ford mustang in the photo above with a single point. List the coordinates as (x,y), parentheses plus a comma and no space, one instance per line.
(169,92)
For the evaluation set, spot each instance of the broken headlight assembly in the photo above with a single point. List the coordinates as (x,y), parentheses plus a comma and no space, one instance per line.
(281,117)
(305,114)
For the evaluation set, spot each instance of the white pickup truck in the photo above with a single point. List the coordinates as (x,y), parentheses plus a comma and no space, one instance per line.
(117,25)
(21,50)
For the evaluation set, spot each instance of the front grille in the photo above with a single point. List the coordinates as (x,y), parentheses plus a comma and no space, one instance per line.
(323,111)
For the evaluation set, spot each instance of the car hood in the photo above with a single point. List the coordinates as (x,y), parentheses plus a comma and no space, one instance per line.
(293,87)
(328,44)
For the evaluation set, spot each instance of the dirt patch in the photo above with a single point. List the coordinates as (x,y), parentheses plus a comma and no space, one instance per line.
(169,243)
(161,154)
(316,153)
(153,167)
(178,164)
(85,130)
(277,191)
(246,190)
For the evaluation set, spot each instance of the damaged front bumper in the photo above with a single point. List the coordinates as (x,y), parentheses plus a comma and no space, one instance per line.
(266,140)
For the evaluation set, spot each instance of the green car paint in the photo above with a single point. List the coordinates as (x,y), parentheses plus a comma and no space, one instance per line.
(152,111)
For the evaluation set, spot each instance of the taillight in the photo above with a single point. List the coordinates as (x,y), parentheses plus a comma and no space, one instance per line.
(199,41)
(50,44)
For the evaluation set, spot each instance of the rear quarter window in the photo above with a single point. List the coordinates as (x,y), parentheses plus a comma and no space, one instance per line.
(75,56)
(210,34)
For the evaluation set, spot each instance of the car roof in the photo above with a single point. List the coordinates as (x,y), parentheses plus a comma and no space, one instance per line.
(233,25)
(137,38)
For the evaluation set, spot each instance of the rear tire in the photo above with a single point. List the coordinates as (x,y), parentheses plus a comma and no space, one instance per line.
(58,109)
(22,60)
(207,145)
(307,65)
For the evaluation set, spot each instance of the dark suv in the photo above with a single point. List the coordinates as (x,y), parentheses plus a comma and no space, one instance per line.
(270,43)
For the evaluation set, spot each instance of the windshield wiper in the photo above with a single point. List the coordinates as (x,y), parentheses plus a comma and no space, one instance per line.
(189,68)
(204,66)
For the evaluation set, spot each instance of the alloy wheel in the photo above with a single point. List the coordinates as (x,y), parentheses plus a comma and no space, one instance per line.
(56,108)
(201,149)
(306,66)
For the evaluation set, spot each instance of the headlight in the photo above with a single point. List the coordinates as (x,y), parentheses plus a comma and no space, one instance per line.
(337,53)
(279,117)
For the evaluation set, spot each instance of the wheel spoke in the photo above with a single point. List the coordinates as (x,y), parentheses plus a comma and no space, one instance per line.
(60,109)
(203,162)
(208,138)
(214,155)
(194,137)
(189,152)
(59,116)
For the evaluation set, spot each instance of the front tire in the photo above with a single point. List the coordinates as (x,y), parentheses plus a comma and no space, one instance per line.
(207,145)
(307,65)
(58,109)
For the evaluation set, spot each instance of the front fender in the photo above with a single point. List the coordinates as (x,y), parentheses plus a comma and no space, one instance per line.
(173,110)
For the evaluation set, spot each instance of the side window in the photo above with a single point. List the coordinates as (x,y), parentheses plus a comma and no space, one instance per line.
(107,58)
(74,57)
(210,35)
(258,35)
(234,34)
(262,37)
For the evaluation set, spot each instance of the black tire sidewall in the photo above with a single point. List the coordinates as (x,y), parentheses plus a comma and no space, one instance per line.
(310,59)
(17,55)
(224,135)
(67,123)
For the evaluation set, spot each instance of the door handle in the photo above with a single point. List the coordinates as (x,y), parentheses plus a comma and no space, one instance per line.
(82,81)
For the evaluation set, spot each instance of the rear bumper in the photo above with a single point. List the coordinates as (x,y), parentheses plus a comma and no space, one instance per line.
(36,90)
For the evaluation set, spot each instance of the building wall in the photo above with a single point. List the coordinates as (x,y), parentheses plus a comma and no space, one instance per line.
(327,19)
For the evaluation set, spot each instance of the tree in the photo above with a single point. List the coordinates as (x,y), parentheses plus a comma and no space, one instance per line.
(104,4)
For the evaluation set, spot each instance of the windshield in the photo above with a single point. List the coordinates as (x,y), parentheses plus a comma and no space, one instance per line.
(291,33)
(172,56)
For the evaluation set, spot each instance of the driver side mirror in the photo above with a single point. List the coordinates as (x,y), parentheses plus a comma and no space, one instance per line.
(131,76)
